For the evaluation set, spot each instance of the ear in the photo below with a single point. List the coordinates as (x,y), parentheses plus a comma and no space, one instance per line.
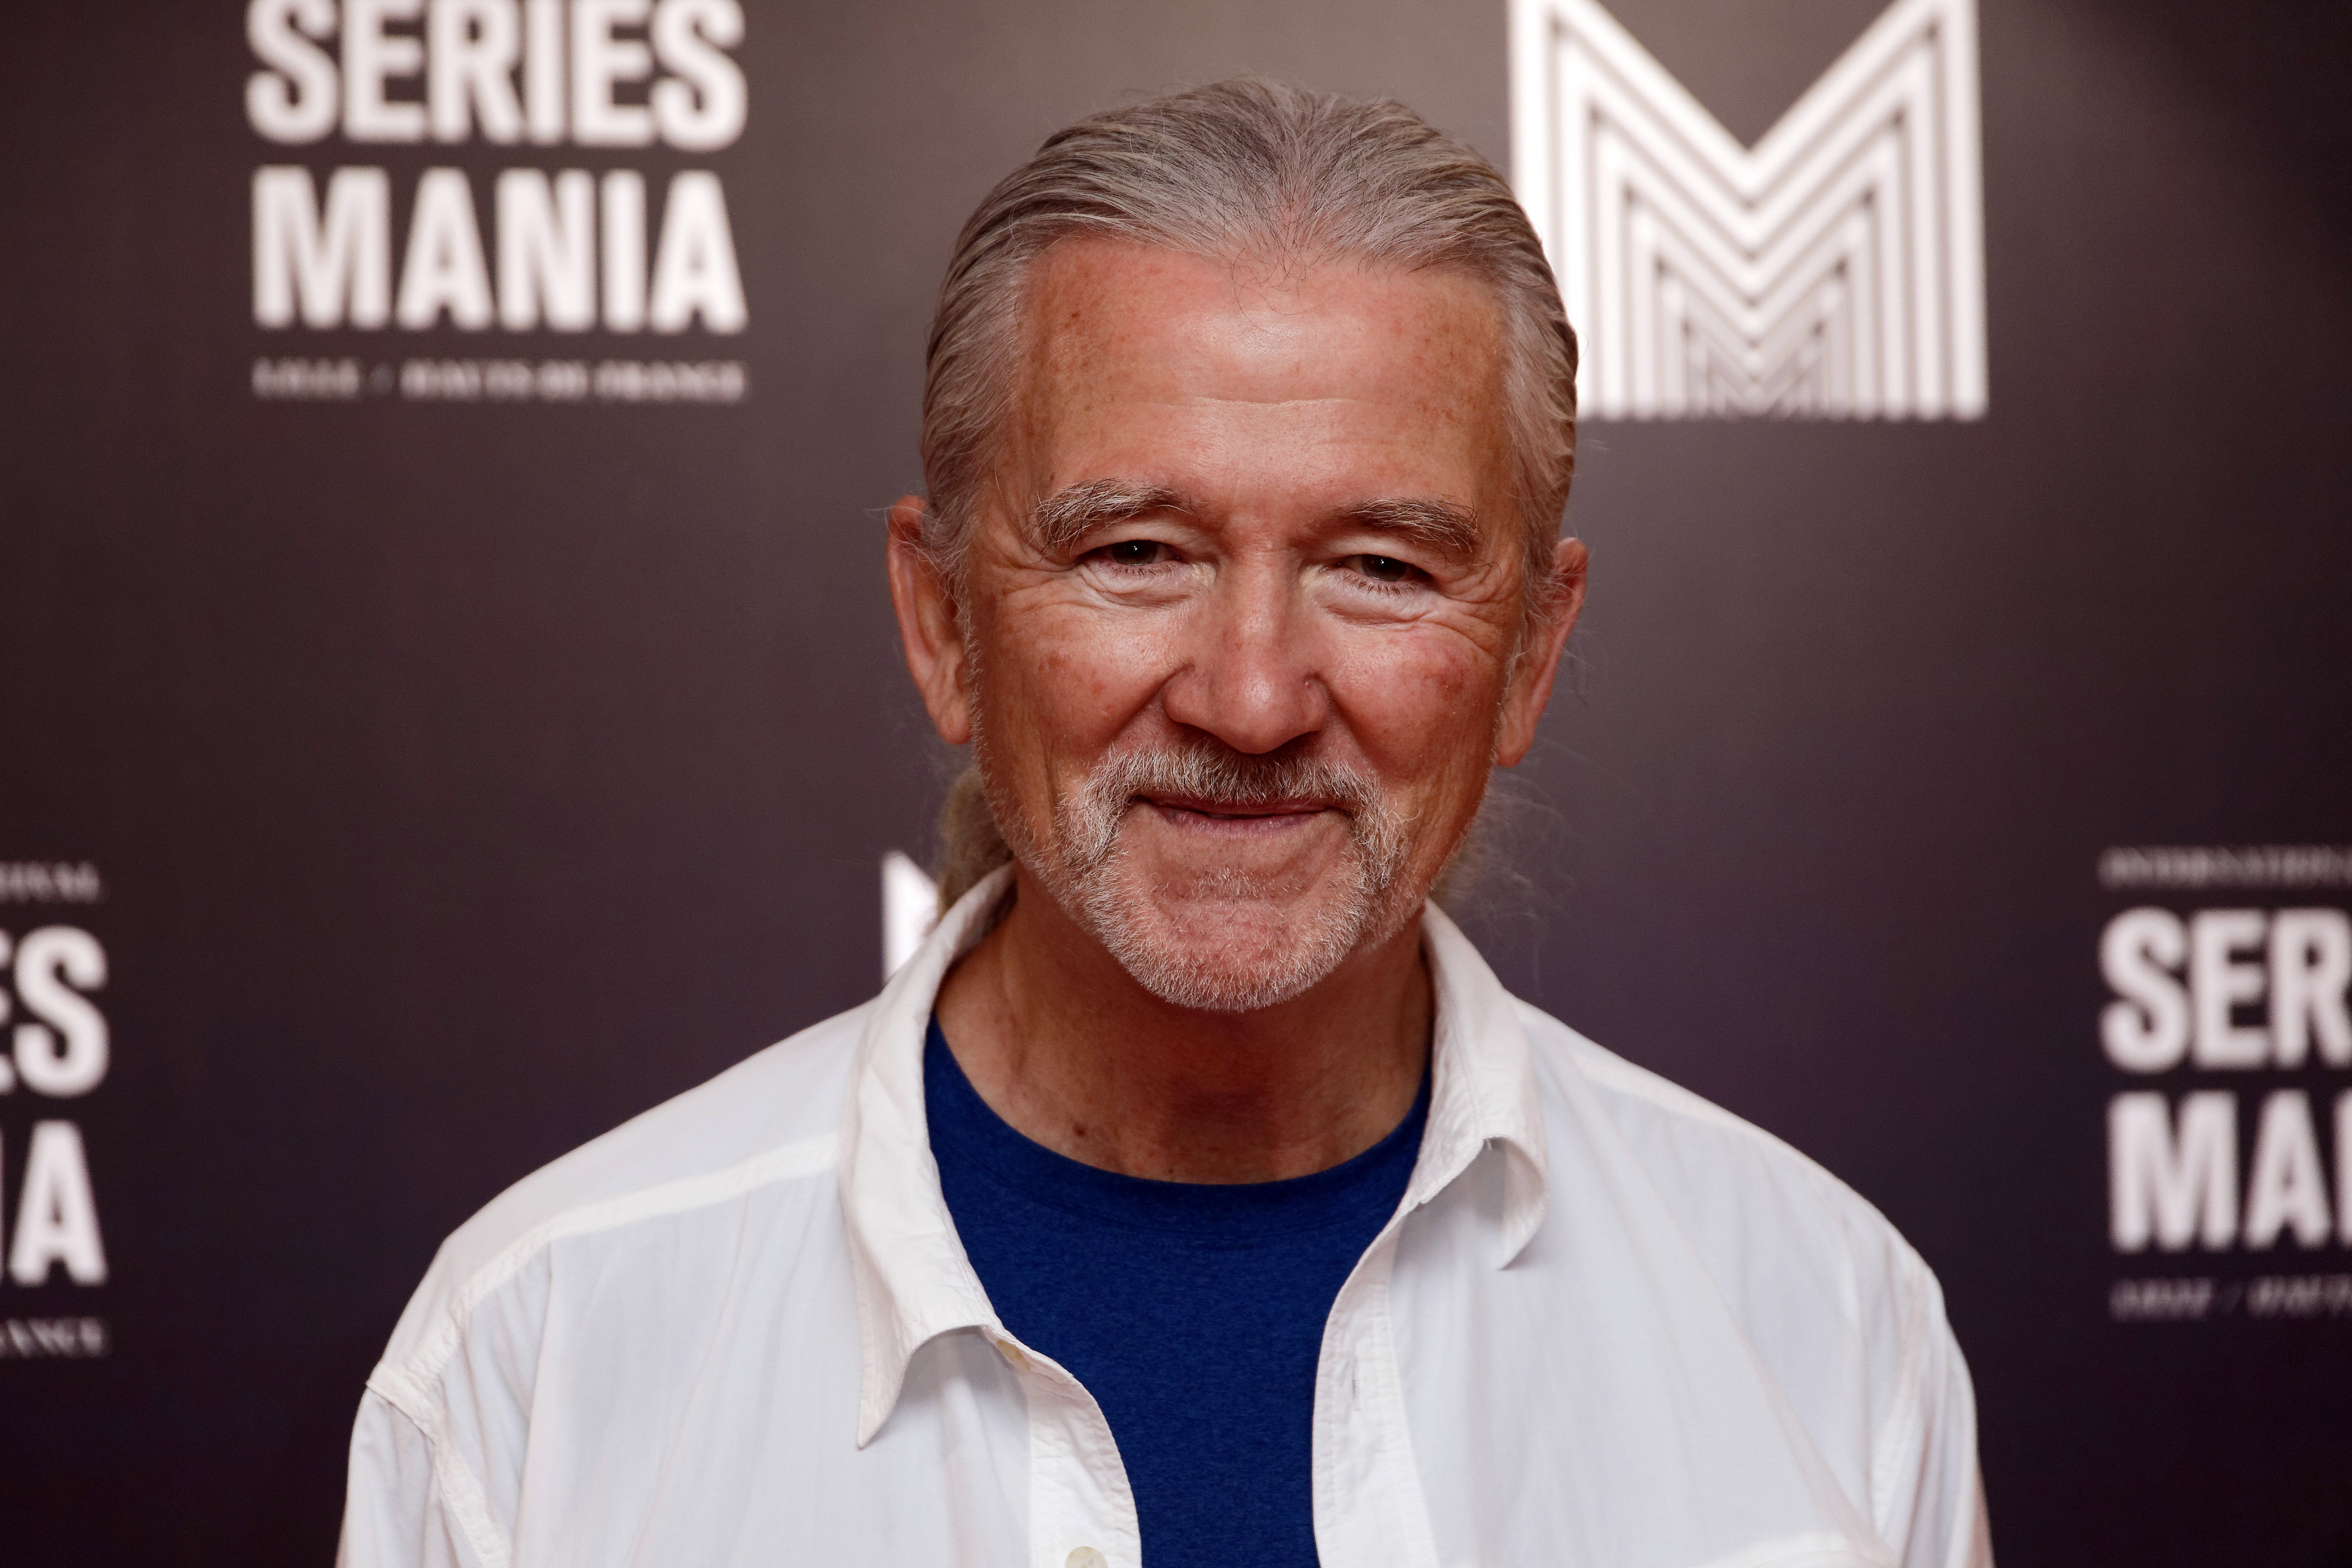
(930,625)
(1539,663)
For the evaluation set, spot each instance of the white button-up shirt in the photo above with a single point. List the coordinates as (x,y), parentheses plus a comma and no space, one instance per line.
(1609,1325)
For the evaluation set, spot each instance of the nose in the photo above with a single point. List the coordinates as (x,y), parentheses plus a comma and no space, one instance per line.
(1249,675)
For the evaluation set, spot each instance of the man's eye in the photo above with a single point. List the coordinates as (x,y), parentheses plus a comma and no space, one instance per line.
(1135,552)
(1384,569)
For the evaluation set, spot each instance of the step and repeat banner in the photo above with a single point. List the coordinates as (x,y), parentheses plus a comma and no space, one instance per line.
(452,702)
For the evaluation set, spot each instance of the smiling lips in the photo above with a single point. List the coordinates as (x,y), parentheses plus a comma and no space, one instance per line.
(1269,812)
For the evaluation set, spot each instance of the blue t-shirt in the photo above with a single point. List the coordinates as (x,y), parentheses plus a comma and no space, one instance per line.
(1194,1313)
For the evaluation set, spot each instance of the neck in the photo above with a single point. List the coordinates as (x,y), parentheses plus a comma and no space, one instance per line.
(1064,1044)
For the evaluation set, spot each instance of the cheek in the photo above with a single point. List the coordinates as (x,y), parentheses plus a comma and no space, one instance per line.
(1061,676)
(1424,706)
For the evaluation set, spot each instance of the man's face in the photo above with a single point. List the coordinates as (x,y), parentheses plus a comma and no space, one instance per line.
(1242,608)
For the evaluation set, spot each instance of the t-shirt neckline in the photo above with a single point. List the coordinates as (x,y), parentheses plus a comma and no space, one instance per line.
(966,1129)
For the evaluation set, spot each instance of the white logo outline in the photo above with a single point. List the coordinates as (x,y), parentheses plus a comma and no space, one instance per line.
(1833,271)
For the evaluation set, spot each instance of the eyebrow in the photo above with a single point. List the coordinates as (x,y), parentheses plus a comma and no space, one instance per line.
(1069,515)
(1433,524)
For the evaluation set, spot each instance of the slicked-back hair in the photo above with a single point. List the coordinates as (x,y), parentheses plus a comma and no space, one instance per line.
(1264,174)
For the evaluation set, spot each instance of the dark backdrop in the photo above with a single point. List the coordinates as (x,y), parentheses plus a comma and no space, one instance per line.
(461,779)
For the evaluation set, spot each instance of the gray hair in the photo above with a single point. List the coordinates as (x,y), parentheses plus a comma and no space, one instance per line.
(1257,171)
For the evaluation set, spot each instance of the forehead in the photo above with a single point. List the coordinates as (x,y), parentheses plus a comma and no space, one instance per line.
(1135,355)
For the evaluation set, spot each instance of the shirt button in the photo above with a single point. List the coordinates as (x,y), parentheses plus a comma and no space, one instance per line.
(1086,1557)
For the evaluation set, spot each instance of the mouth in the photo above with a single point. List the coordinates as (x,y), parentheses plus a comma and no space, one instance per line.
(1193,811)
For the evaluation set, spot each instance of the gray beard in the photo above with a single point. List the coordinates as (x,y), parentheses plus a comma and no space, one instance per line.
(1087,870)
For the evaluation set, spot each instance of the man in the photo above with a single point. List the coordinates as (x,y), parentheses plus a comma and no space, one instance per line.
(1196,1195)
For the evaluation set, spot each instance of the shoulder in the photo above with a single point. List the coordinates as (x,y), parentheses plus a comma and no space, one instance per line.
(1816,1275)
(1701,1156)
(769,1121)
(1829,1298)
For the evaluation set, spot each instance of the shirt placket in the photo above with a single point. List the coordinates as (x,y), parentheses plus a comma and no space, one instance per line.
(1369,1508)
(1081,1509)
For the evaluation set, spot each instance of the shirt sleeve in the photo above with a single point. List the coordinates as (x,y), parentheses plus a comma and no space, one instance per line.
(395,1514)
(1931,1498)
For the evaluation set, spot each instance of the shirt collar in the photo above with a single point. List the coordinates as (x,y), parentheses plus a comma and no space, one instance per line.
(1484,1093)
(913,1280)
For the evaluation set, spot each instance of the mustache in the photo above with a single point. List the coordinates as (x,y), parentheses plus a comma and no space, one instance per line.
(1213,775)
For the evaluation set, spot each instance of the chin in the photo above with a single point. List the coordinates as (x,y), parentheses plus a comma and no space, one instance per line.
(1234,948)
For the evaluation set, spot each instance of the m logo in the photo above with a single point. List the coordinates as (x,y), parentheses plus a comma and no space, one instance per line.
(1834,270)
